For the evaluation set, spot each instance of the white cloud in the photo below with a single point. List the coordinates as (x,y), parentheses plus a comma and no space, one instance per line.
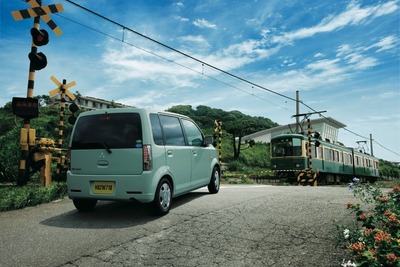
(179,4)
(183,19)
(386,43)
(353,15)
(202,23)
(390,94)
(195,39)
(355,58)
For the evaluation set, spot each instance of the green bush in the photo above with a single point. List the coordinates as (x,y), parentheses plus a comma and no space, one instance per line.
(9,155)
(13,197)
(236,166)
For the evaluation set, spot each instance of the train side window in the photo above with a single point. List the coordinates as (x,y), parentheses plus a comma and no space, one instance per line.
(319,153)
(357,158)
(327,154)
(347,159)
(313,151)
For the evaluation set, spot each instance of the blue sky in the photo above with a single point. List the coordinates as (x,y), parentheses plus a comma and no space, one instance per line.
(342,56)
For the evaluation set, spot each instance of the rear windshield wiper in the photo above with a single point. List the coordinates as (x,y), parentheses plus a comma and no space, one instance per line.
(106,147)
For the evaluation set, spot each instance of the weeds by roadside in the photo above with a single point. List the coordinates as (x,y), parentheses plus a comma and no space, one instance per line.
(13,197)
(374,238)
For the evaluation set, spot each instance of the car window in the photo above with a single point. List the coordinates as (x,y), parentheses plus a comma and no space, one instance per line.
(113,130)
(193,134)
(156,129)
(172,131)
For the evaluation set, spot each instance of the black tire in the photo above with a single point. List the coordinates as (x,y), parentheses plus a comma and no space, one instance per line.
(163,197)
(85,205)
(213,186)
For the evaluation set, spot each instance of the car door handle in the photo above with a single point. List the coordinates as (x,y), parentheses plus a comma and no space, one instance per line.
(194,152)
(169,153)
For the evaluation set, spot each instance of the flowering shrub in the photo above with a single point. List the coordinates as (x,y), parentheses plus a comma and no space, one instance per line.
(374,238)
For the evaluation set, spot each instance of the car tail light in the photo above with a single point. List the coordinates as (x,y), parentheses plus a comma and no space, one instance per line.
(68,158)
(147,159)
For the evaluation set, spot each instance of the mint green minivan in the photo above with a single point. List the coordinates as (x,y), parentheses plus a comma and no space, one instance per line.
(133,154)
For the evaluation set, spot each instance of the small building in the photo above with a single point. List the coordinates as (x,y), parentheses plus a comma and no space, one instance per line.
(90,103)
(328,128)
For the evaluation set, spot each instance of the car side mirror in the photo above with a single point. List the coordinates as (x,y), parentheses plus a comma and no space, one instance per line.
(208,140)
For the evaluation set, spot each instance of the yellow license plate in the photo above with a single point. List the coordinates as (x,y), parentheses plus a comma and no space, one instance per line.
(103,187)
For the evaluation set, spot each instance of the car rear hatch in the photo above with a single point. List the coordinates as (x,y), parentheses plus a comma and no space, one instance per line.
(109,143)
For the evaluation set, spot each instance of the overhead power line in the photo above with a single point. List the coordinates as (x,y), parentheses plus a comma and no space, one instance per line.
(178,51)
(202,62)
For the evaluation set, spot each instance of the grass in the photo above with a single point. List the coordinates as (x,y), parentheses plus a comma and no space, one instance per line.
(15,197)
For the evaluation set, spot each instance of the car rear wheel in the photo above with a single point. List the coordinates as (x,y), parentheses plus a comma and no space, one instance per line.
(163,197)
(213,186)
(85,205)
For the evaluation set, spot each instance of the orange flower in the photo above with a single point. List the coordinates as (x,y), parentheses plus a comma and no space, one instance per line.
(391,259)
(358,247)
(382,199)
(368,231)
(387,212)
(393,220)
(382,237)
(362,217)
(396,189)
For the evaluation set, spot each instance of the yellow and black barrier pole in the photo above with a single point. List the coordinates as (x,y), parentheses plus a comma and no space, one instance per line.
(218,129)
(23,174)
(308,176)
(61,129)
(27,108)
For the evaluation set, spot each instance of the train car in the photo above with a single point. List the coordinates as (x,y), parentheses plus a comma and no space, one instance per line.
(331,163)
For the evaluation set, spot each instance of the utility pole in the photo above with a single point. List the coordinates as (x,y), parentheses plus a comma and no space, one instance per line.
(297,112)
(370,141)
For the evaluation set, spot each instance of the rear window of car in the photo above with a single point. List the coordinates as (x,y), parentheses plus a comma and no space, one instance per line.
(113,130)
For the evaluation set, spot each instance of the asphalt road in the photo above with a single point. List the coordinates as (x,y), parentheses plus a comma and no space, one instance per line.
(242,225)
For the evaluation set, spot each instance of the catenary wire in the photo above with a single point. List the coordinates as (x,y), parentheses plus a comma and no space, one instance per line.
(204,64)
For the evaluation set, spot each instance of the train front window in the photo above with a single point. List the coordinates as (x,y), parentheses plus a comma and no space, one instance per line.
(286,147)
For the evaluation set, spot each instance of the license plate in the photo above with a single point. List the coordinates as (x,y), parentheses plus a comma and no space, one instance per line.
(103,187)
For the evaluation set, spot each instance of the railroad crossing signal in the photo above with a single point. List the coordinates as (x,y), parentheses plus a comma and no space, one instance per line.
(38,61)
(40,11)
(61,87)
(39,37)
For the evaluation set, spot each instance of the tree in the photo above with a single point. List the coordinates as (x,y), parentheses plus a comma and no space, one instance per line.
(235,123)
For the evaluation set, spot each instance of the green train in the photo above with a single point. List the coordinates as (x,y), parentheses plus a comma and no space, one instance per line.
(329,163)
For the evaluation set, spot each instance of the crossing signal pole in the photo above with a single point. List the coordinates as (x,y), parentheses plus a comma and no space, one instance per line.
(62,89)
(308,176)
(28,108)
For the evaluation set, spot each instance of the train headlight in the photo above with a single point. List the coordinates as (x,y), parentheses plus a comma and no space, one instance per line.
(297,165)
(274,166)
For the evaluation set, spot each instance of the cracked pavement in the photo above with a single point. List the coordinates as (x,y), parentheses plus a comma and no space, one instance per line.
(243,225)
